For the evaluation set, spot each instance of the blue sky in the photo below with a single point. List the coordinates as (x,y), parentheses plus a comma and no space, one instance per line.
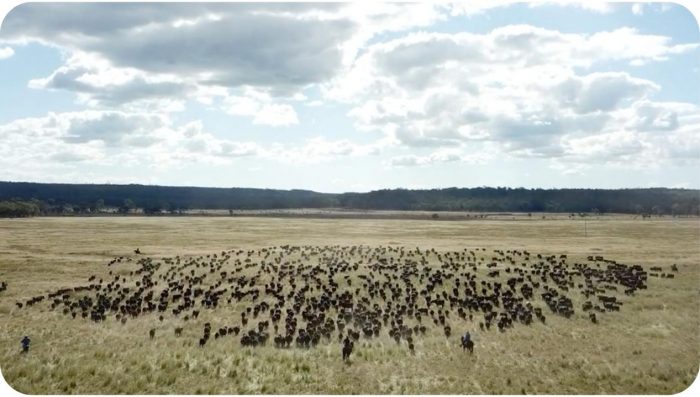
(351,97)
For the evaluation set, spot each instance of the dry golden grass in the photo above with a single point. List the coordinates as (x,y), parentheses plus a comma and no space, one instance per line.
(651,346)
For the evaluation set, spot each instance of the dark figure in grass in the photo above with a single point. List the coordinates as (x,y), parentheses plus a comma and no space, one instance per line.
(347,348)
(25,344)
(467,343)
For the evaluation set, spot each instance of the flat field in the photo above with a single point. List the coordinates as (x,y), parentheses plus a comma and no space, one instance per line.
(652,345)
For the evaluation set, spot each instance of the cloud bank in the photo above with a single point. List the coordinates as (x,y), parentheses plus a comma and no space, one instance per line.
(521,91)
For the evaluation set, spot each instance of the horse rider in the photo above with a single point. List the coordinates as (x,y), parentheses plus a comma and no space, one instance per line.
(466,338)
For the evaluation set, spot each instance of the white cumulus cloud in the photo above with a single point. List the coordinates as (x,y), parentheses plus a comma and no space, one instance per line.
(6,52)
(524,88)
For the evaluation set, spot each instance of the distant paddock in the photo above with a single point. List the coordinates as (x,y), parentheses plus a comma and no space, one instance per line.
(649,347)
(339,213)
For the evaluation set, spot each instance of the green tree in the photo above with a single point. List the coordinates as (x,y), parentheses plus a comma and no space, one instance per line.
(99,205)
(127,206)
(19,209)
(675,209)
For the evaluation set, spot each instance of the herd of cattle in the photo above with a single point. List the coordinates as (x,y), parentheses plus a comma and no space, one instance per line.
(305,295)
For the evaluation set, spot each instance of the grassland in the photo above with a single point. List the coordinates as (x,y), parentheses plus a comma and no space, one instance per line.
(651,346)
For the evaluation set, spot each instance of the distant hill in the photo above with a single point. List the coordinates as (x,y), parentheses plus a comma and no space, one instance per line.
(152,198)
(59,198)
(631,201)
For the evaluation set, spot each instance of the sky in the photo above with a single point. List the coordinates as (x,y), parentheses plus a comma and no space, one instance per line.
(351,97)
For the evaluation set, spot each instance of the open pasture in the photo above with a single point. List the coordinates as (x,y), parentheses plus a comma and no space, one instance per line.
(265,305)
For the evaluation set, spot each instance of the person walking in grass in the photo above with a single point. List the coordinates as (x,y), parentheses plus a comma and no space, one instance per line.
(25,344)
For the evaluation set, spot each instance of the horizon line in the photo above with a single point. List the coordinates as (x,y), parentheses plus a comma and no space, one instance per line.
(351,192)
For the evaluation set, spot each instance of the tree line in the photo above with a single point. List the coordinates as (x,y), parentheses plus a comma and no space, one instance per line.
(30,199)
(19,208)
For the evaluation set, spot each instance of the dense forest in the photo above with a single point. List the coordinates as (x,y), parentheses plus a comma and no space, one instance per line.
(19,199)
